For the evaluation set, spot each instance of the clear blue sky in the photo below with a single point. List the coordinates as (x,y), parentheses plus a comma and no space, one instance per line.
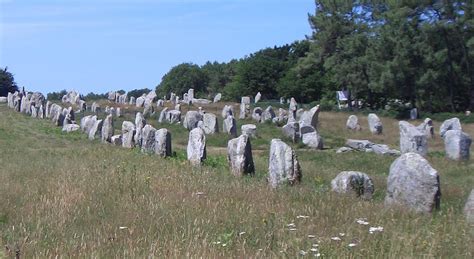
(102,45)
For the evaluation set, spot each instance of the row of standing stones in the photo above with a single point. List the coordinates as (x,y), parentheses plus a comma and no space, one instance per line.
(411,183)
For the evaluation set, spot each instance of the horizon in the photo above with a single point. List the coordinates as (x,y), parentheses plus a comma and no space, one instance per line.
(119,45)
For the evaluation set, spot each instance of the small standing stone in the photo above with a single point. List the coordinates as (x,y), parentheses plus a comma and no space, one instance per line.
(107,129)
(239,156)
(291,130)
(353,123)
(97,128)
(163,143)
(457,145)
(451,124)
(230,126)
(411,139)
(196,146)
(375,124)
(148,139)
(469,208)
(257,97)
(128,133)
(354,182)
(257,114)
(210,125)
(191,119)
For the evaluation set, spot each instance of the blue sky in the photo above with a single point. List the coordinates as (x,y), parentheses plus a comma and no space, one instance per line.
(102,45)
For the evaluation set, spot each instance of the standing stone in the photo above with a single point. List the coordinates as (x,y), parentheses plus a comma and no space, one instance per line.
(87,122)
(41,112)
(414,114)
(244,110)
(163,143)
(457,145)
(257,114)
(107,129)
(148,110)
(118,112)
(111,95)
(249,130)
(268,114)
(82,105)
(413,183)
(245,100)
(282,100)
(451,124)
(34,112)
(162,117)
(469,208)
(148,139)
(412,139)
(283,165)
(140,101)
(375,124)
(140,122)
(210,125)
(96,128)
(116,140)
(217,98)
(291,130)
(311,117)
(230,126)
(239,156)
(353,182)
(190,95)
(293,105)
(132,100)
(56,115)
(427,128)
(191,119)
(160,103)
(128,133)
(353,123)
(173,98)
(196,146)
(173,116)
(257,97)
(178,107)
(227,110)
(312,140)
(48,105)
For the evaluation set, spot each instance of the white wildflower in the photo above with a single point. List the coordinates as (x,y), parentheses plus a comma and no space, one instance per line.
(317,255)
(313,249)
(336,238)
(291,225)
(302,217)
(375,229)
(241,233)
(362,222)
(293,229)
(303,252)
(342,234)
(311,236)
(122,228)
(352,245)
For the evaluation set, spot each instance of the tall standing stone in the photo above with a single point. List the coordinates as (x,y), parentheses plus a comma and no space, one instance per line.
(230,126)
(412,139)
(375,124)
(311,117)
(283,165)
(239,156)
(148,139)
(217,98)
(191,119)
(173,116)
(227,110)
(427,128)
(457,145)
(96,128)
(451,124)
(210,125)
(107,129)
(162,117)
(196,146)
(257,97)
(128,133)
(413,183)
(163,143)
(140,122)
(87,122)
(268,114)
(414,114)
(244,107)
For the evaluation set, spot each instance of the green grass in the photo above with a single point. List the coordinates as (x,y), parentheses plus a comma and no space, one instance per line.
(63,195)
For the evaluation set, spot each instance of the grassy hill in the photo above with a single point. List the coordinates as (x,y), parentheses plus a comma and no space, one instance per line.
(63,195)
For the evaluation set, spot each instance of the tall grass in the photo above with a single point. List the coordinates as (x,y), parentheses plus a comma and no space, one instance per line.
(62,195)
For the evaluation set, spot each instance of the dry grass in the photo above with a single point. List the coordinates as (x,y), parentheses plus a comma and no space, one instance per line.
(62,195)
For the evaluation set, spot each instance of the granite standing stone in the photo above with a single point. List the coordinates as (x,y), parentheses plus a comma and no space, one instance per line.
(353,182)
(196,146)
(239,156)
(283,165)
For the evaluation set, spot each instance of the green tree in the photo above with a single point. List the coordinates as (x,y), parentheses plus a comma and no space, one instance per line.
(181,78)
(7,82)
(138,92)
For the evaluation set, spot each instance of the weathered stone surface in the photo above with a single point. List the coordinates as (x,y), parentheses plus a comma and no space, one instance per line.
(41,112)
(457,145)
(163,114)
(201,101)
(71,97)
(118,112)
(191,119)
(312,140)
(360,145)
(412,183)
(217,98)
(163,143)
(148,139)
(375,124)
(451,124)
(132,100)
(245,100)
(96,129)
(258,96)
(140,101)
(111,95)
(229,126)
(352,182)
(469,208)
(293,105)
(249,130)
(380,149)
(173,116)
(268,114)
(210,125)
(283,165)
(116,140)
(107,129)
(244,110)
(128,133)
(427,128)
(196,146)
(227,110)
(47,110)
(412,139)
(87,122)
(239,156)
(140,122)
(299,114)
(56,114)
(70,128)
(344,150)
(353,123)
(160,103)
(310,117)
(257,114)
(34,112)
(291,130)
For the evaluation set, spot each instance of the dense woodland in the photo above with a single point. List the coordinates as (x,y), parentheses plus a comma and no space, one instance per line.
(383,52)
(418,52)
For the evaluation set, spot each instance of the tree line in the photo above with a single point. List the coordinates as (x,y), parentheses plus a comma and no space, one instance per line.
(383,52)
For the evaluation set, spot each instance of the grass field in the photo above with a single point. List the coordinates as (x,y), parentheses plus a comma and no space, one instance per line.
(63,195)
